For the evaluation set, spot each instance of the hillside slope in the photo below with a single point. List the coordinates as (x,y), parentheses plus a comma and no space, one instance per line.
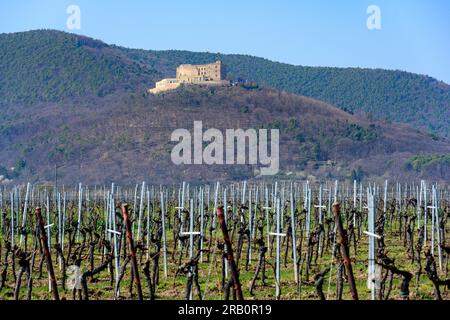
(395,96)
(125,137)
(81,105)
(51,66)
(47,65)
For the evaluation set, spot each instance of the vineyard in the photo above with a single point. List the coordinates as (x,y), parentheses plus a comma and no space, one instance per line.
(234,241)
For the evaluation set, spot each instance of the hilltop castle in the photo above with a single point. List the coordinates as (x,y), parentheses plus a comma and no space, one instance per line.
(212,74)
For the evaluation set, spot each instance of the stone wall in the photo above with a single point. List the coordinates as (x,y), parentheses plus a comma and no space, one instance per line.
(206,74)
(211,72)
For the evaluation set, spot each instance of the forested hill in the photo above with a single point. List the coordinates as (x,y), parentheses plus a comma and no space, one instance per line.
(126,137)
(396,96)
(46,65)
(82,105)
(51,66)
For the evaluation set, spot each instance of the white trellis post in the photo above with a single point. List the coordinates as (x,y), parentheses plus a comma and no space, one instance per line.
(244,187)
(372,235)
(436,210)
(59,216)
(47,227)
(425,215)
(267,208)
(181,206)
(141,208)
(255,212)
(116,253)
(24,214)
(432,207)
(435,225)
(163,226)
(80,199)
(308,209)
(419,205)
(225,212)
(275,192)
(335,191)
(250,225)
(12,220)
(294,240)
(278,234)
(59,225)
(115,233)
(329,200)
(148,224)
(282,202)
(63,221)
(305,195)
(216,198)
(191,234)
(320,207)
(202,222)
(16,203)
(88,201)
(49,241)
(360,196)
(134,209)
(225,205)
(106,199)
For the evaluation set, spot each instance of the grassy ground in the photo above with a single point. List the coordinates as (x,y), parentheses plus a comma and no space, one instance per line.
(210,278)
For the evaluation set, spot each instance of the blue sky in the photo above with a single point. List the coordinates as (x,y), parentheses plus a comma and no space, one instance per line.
(414,35)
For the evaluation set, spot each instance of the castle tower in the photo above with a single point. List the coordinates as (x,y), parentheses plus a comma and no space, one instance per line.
(212,74)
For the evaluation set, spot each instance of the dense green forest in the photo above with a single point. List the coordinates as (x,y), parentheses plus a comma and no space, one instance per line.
(46,65)
(51,66)
(396,96)
(426,164)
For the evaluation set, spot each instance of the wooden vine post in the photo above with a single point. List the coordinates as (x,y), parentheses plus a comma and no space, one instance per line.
(44,243)
(343,245)
(129,236)
(229,253)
